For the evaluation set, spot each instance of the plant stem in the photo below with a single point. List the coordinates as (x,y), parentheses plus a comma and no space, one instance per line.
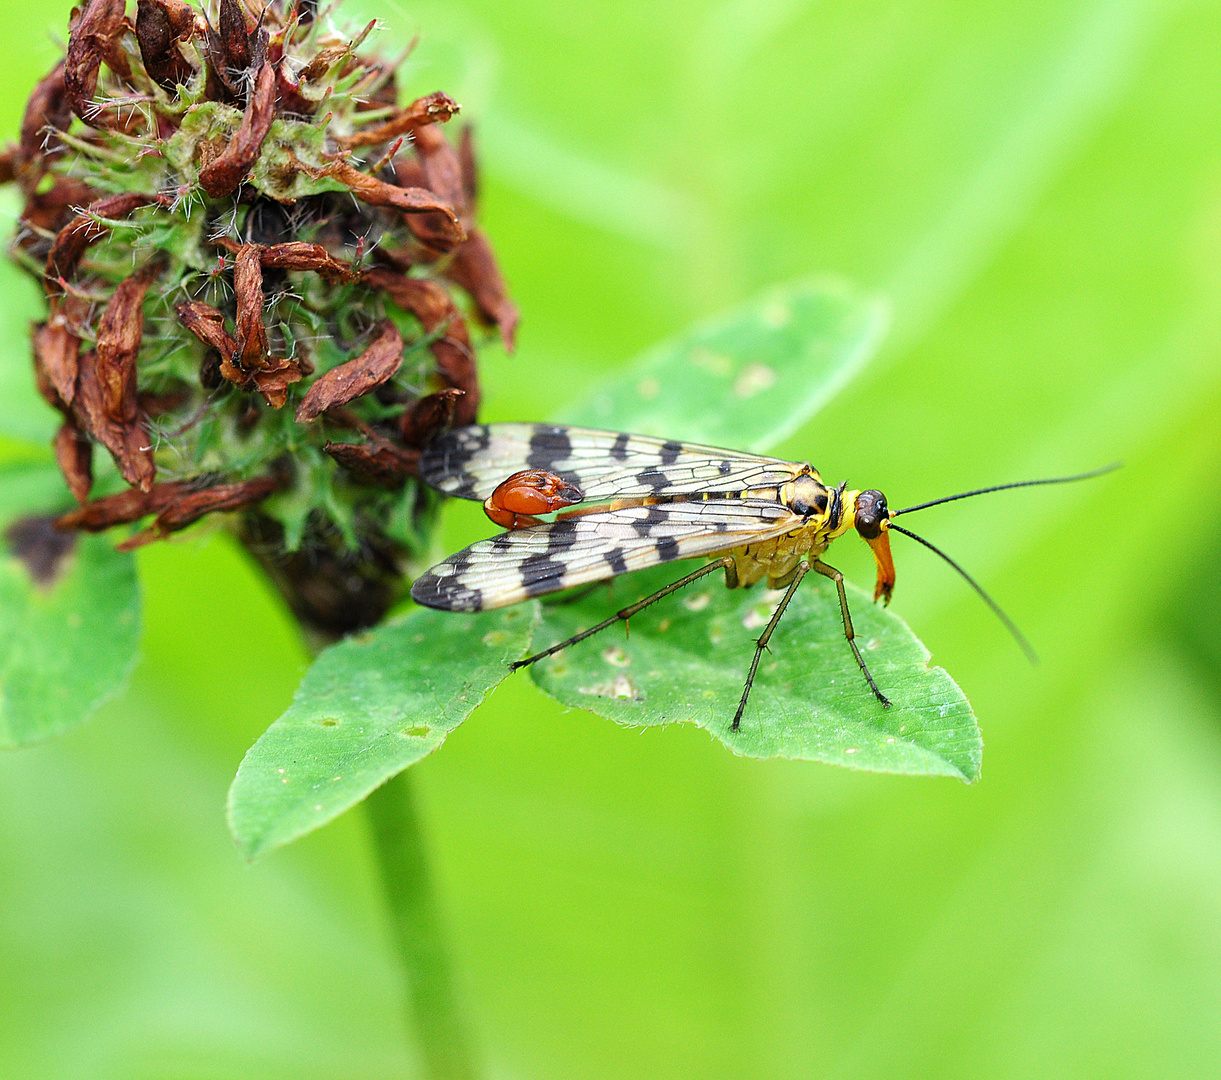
(432,1007)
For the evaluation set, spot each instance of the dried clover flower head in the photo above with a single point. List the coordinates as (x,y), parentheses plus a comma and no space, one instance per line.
(256,264)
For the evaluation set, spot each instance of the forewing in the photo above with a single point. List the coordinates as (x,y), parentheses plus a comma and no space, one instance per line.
(574,551)
(470,462)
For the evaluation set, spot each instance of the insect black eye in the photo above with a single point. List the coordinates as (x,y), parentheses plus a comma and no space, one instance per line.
(870,513)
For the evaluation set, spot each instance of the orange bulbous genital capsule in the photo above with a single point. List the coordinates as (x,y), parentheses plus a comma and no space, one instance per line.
(514,504)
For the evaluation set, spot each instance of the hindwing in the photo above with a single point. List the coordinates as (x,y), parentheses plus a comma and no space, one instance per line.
(574,551)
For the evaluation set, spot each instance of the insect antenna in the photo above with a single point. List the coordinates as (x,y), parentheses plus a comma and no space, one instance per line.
(1005,487)
(1018,636)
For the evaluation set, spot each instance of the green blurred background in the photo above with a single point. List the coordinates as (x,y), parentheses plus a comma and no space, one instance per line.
(1037,188)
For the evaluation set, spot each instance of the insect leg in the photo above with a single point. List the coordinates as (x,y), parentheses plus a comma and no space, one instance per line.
(797,574)
(725,564)
(849,633)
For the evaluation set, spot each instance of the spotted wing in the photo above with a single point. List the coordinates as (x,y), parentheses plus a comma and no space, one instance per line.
(574,551)
(470,462)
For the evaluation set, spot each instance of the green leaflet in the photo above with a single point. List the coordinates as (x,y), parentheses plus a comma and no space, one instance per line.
(686,658)
(367,708)
(68,643)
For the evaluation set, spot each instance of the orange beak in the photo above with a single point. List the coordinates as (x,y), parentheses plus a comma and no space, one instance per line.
(886,566)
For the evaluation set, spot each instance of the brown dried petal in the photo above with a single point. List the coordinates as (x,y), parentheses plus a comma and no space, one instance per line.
(224,173)
(126,506)
(408,172)
(289,98)
(189,506)
(56,350)
(431,304)
(274,380)
(120,332)
(433,109)
(357,376)
(250,332)
(409,200)
(74,454)
(322,61)
(238,48)
(298,255)
(379,463)
(474,268)
(470,171)
(93,37)
(442,175)
(46,388)
(210,377)
(160,25)
(75,237)
(234,37)
(49,211)
(47,107)
(424,419)
(207,324)
(441,167)
(128,442)
(185,21)
(8,164)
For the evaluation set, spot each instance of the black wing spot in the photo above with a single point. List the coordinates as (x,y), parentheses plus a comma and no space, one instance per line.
(652,478)
(726,468)
(443,461)
(670,451)
(654,517)
(615,560)
(468,488)
(619,450)
(667,549)
(562,535)
(445,591)
(541,574)
(547,446)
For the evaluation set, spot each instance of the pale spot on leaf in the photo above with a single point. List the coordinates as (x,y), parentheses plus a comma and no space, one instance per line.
(615,655)
(755,378)
(777,315)
(620,687)
(717,363)
(697,602)
(757,616)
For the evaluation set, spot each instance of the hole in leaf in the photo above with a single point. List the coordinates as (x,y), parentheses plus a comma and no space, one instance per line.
(43,548)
